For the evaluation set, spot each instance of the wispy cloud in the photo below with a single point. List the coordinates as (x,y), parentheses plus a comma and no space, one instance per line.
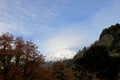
(21,19)
(4,27)
(55,24)
(69,36)
(62,41)
(83,33)
(106,16)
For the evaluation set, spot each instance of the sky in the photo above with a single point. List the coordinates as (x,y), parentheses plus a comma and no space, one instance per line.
(57,24)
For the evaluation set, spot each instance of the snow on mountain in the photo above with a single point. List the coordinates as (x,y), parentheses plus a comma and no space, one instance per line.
(61,55)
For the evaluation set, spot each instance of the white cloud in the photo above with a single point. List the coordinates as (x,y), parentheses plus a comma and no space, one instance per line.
(5,27)
(36,19)
(85,33)
(67,37)
(62,41)
(13,28)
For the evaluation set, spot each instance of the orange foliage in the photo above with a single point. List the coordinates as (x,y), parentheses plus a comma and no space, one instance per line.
(19,59)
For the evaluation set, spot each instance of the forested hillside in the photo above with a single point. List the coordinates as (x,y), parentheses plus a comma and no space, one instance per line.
(102,58)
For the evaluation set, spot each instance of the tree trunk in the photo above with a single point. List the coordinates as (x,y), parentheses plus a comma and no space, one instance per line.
(4,74)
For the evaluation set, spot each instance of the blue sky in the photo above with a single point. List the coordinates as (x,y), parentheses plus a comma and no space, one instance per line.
(57,24)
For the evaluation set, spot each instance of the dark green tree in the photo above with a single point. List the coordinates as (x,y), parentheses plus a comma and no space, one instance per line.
(97,61)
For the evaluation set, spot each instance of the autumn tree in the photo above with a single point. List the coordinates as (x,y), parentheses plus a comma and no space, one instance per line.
(19,59)
(60,72)
(46,74)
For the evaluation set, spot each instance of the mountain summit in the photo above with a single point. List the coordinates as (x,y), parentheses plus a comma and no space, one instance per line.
(61,55)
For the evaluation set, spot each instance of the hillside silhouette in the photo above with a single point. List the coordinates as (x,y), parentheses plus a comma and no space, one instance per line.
(102,59)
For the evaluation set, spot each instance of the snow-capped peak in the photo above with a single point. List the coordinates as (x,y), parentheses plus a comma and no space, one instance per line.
(61,55)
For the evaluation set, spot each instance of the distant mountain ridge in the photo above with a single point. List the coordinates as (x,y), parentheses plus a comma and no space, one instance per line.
(61,55)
